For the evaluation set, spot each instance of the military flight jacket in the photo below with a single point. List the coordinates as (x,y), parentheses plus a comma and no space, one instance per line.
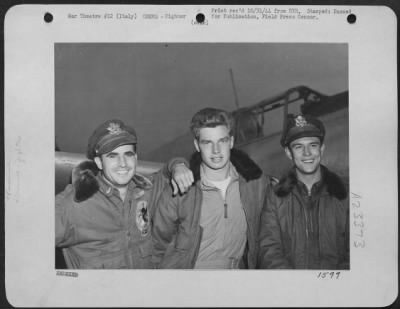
(96,229)
(177,242)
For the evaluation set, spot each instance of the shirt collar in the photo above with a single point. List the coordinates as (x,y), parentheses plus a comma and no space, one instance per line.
(206,184)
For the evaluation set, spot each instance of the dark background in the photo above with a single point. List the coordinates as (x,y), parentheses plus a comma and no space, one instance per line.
(157,88)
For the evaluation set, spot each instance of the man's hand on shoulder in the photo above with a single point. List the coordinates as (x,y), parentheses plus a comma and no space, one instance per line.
(182,178)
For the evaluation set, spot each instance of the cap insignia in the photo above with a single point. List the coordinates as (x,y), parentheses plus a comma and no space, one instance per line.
(114,128)
(300,121)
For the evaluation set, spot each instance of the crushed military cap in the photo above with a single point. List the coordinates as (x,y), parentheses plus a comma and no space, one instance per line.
(108,136)
(298,126)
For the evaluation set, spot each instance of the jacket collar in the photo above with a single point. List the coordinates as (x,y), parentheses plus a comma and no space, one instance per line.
(329,180)
(88,181)
(243,164)
(104,186)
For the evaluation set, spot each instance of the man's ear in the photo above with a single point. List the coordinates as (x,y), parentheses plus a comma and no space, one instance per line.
(232,142)
(98,162)
(288,153)
(322,149)
(196,145)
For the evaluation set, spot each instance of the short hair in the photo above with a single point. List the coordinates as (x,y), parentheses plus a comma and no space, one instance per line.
(210,118)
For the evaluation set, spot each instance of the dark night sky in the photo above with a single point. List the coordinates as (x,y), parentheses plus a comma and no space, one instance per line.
(158,87)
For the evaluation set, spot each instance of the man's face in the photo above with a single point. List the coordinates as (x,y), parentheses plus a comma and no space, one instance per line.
(306,153)
(214,145)
(118,165)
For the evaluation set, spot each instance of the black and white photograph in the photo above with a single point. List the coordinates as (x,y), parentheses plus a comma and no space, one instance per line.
(199,154)
(156,89)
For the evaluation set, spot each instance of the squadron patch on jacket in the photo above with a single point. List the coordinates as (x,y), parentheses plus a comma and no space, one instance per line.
(142,217)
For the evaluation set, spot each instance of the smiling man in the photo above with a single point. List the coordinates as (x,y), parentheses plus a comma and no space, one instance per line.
(305,218)
(103,219)
(215,224)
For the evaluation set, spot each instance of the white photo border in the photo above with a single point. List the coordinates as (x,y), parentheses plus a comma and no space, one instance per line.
(31,279)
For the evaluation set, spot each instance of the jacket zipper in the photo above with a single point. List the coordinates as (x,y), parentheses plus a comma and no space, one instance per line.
(306,216)
(310,212)
(307,231)
(225,203)
(224,199)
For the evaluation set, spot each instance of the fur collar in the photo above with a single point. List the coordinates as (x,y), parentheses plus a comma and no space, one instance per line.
(244,165)
(334,185)
(86,183)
